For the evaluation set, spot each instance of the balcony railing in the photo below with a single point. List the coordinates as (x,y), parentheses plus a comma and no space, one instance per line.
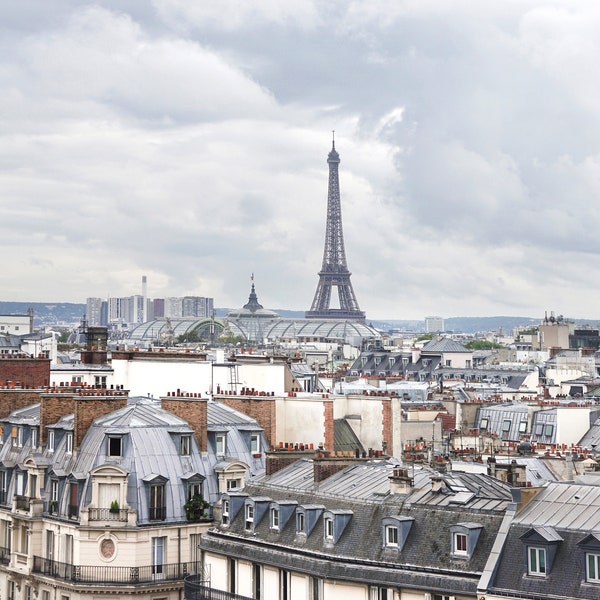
(113,575)
(22,502)
(108,514)
(195,588)
(4,555)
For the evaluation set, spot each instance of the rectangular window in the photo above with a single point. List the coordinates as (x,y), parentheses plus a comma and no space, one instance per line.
(255,443)
(194,489)
(73,499)
(28,595)
(522,426)
(220,443)
(593,567)
(11,590)
(536,561)
(50,544)
(185,445)
(300,522)
(233,484)
(69,444)
(158,511)
(483,424)
(256,581)
(391,536)
(284,584)
(195,552)
(506,425)
(274,518)
(548,429)
(329,528)
(68,549)
(45,595)
(232,572)
(158,556)
(460,543)
(377,593)
(34,437)
(249,516)
(3,486)
(225,512)
(19,437)
(114,446)
(51,438)
(316,588)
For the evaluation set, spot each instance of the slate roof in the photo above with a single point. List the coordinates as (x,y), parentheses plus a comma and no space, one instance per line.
(565,515)
(444,345)
(426,560)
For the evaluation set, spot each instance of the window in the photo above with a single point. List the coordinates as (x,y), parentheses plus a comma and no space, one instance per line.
(316,588)
(68,549)
(300,523)
(3,486)
(467,364)
(50,544)
(158,556)
(73,499)
(255,443)
(284,584)
(54,490)
(329,528)
(379,593)
(114,446)
(28,595)
(11,590)
(45,595)
(34,437)
(69,443)
(194,489)
(536,561)
(548,430)
(522,426)
(157,508)
(51,437)
(225,512)
(232,572)
(233,484)
(593,567)
(506,425)
(448,362)
(18,436)
(100,381)
(483,424)
(185,445)
(220,443)
(460,544)
(249,516)
(256,581)
(391,536)
(274,518)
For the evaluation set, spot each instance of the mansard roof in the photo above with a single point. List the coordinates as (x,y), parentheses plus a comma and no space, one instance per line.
(444,345)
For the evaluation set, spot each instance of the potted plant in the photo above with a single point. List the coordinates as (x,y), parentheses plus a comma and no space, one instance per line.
(114,506)
(196,508)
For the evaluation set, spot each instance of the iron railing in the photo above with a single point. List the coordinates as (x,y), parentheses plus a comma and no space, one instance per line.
(108,514)
(195,588)
(113,575)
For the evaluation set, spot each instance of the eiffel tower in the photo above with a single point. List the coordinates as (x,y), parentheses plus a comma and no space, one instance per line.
(334,271)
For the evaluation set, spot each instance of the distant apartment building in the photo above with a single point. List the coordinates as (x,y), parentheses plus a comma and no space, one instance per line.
(434,324)
(94,311)
(16,324)
(188,306)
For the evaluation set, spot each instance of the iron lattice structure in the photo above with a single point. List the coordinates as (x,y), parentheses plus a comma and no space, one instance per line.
(334,271)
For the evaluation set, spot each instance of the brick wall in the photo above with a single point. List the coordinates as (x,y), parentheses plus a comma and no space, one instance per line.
(386,415)
(192,410)
(13,399)
(31,372)
(275,461)
(328,423)
(260,408)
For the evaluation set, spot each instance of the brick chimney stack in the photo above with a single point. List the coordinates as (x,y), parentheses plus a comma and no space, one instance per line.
(194,410)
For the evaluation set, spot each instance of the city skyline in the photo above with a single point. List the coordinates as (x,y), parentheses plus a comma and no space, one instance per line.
(189,143)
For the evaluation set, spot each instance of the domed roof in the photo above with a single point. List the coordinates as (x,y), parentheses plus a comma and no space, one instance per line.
(252,309)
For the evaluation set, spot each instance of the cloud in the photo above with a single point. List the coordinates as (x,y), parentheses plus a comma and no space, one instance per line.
(188,142)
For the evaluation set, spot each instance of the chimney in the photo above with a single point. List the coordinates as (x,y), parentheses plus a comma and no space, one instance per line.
(569,467)
(436,484)
(400,482)
(491,469)
(192,410)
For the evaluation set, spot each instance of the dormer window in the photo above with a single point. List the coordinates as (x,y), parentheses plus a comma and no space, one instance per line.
(590,545)
(185,445)
(18,436)
(391,536)
(34,437)
(220,443)
(329,528)
(225,512)
(464,538)
(483,424)
(536,561)
(541,544)
(51,440)
(249,520)
(395,531)
(300,523)
(460,544)
(69,443)
(274,518)
(114,446)
(255,443)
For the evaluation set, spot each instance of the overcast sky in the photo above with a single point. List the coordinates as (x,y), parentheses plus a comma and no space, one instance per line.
(188,141)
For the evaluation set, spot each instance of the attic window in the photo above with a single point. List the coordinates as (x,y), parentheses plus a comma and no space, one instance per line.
(464,538)
(460,544)
(225,512)
(300,523)
(548,430)
(506,425)
(536,561)
(391,536)
(249,516)
(541,544)
(483,424)
(185,445)
(114,445)
(522,426)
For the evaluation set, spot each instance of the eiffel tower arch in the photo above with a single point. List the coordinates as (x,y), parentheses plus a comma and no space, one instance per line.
(334,271)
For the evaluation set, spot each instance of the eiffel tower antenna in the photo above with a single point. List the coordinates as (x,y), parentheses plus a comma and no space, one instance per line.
(334,271)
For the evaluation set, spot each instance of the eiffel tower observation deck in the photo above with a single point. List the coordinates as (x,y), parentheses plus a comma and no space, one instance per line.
(334,271)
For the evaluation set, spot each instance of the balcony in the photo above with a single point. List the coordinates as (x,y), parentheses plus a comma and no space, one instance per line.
(108,514)
(195,588)
(113,575)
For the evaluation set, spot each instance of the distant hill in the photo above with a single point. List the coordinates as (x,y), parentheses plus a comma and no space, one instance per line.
(47,313)
(50,313)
